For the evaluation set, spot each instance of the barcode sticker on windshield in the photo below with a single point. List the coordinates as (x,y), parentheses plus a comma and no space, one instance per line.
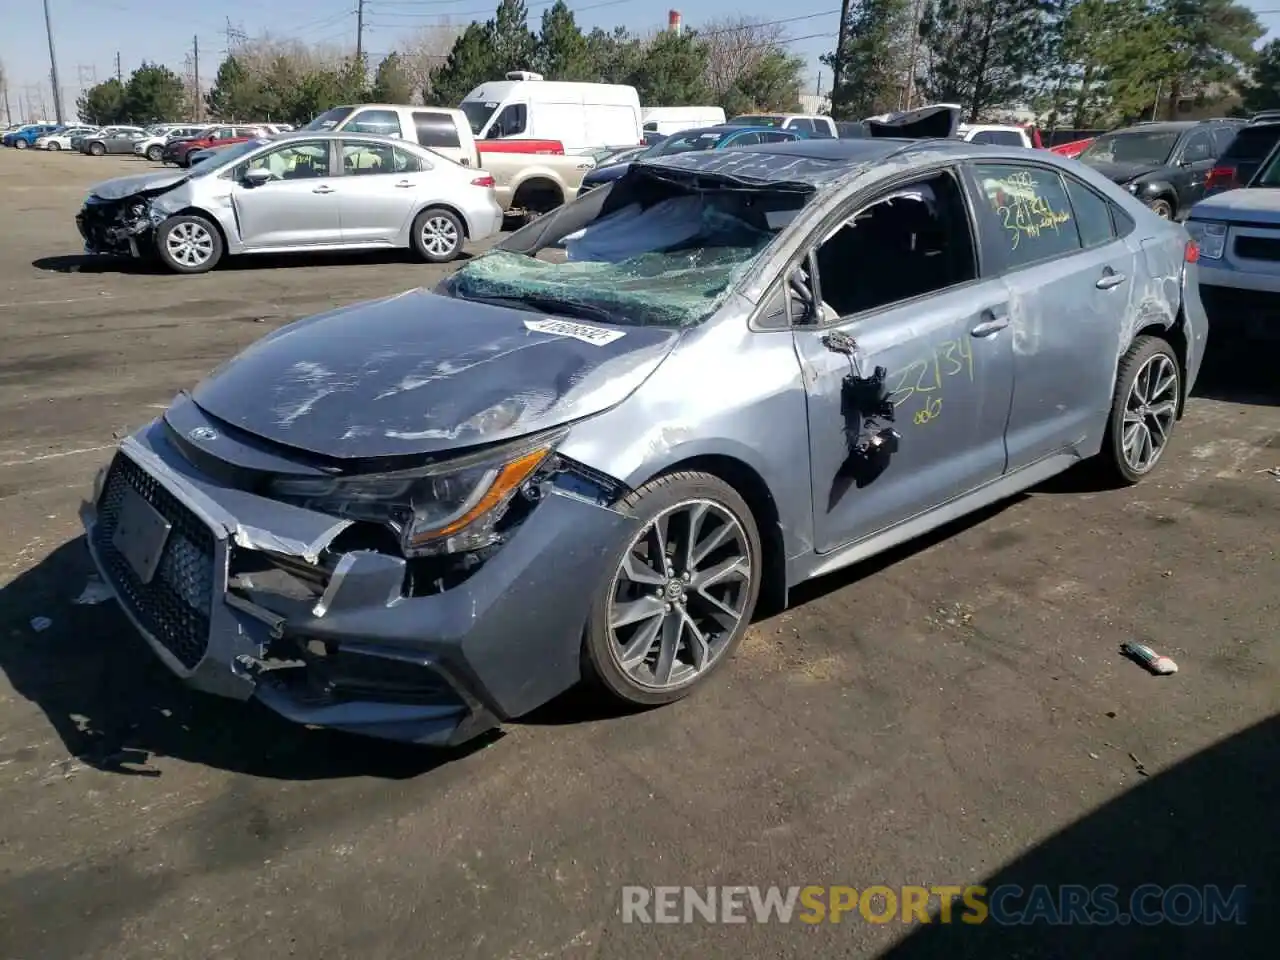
(599,336)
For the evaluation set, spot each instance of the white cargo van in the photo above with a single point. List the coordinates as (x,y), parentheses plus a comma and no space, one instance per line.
(581,116)
(669,120)
(441,129)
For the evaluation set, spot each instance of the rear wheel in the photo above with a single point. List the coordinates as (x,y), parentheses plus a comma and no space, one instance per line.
(680,591)
(54,145)
(189,244)
(97,149)
(1143,409)
(437,235)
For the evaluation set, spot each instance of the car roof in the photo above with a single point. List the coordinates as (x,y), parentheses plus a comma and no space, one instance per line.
(724,129)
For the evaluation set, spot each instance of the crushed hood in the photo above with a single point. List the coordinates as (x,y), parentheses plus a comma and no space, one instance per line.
(1244,205)
(1123,172)
(421,373)
(122,187)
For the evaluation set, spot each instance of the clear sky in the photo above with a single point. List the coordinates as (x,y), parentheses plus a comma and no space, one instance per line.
(89,33)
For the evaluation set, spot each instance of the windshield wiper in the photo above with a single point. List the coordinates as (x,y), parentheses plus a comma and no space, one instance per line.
(541,304)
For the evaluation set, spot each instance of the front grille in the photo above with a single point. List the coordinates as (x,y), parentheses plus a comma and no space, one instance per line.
(1258,248)
(1227,305)
(175,606)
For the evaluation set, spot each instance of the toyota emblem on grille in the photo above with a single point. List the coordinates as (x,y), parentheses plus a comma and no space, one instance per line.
(203,433)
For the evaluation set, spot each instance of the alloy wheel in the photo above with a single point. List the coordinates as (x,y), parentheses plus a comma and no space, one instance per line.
(679,594)
(189,244)
(1149,412)
(439,236)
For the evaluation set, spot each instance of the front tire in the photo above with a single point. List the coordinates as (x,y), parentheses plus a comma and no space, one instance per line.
(21,144)
(188,244)
(54,145)
(1162,208)
(97,149)
(1144,409)
(680,592)
(436,235)
(154,153)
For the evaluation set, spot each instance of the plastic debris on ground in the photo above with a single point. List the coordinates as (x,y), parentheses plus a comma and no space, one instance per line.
(1145,656)
(95,591)
(39,624)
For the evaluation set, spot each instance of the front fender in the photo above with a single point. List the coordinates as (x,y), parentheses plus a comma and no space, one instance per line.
(1151,189)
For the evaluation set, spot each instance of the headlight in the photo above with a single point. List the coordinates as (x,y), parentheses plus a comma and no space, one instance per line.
(1210,236)
(447,507)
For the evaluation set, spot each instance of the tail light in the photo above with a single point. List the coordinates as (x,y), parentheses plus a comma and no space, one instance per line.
(1192,253)
(1221,178)
(484,182)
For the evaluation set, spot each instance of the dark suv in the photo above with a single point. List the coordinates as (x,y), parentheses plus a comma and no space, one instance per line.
(1241,160)
(1165,165)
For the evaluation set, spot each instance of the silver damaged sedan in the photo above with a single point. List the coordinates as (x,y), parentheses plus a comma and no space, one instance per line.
(293,193)
(593,451)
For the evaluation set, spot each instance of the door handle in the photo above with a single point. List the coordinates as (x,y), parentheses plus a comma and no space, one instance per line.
(1110,279)
(991,323)
(404,184)
(323,189)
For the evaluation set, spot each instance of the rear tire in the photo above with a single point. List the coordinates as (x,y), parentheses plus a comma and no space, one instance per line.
(656,630)
(54,145)
(1144,410)
(437,235)
(188,244)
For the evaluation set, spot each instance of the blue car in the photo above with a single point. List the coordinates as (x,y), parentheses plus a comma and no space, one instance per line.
(24,137)
(687,141)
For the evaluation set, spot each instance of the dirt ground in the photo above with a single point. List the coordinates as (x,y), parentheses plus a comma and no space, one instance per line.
(955,713)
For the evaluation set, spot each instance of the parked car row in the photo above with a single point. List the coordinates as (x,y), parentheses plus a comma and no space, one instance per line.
(149,141)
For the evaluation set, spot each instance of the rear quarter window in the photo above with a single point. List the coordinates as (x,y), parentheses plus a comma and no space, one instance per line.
(436,129)
(1253,143)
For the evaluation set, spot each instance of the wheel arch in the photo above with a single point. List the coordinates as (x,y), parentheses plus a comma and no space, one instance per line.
(753,488)
(204,215)
(536,183)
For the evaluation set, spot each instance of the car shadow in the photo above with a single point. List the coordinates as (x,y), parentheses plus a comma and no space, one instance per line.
(84,263)
(1239,369)
(1203,822)
(116,707)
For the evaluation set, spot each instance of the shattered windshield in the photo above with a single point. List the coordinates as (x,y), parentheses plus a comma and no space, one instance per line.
(669,264)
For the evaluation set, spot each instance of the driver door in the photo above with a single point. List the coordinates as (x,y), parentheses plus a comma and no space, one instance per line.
(298,206)
(1194,161)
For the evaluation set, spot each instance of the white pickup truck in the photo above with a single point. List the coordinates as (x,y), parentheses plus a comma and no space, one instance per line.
(533,183)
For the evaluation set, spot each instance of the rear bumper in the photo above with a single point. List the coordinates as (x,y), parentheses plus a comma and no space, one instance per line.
(435,669)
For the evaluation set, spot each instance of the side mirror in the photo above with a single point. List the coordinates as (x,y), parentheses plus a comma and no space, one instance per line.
(256,176)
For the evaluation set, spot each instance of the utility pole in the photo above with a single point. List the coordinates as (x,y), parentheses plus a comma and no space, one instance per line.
(8,112)
(360,30)
(837,62)
(195,55)
(916,10)
(119,77)
(53,64)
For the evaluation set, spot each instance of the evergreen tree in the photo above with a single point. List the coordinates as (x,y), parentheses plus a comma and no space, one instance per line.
(562,50)
(671,72)
(391,84)
(868,72)
(102,104)
(471,62)
(510,39)
(1262,90)
(154,93)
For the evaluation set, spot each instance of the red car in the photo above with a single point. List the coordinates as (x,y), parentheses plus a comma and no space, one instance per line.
(1072,149)
(215,137)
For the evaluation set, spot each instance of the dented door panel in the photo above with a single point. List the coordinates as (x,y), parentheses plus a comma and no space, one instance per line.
(948,392)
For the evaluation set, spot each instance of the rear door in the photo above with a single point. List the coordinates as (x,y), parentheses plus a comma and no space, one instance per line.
(378,191)
(1070,280)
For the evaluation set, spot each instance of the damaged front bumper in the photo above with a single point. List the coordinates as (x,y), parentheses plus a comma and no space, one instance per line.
(117,227)
(243,596)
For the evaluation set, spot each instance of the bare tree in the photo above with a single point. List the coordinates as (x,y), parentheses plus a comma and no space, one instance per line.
(425,51)
(735,47)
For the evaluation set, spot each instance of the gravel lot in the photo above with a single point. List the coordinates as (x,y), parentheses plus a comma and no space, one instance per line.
(955,713)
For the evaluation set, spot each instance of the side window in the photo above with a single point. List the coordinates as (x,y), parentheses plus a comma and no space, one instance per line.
(1199,148)
(1026,211)
(511,122)
(296,161)
(822,130)
(359,159)
(386,122)
(913,241)
(1005,138)
(775,136)
(405,162)
(435,129)
(1222,137)
(803,124)
(744,140)
(1093,214)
